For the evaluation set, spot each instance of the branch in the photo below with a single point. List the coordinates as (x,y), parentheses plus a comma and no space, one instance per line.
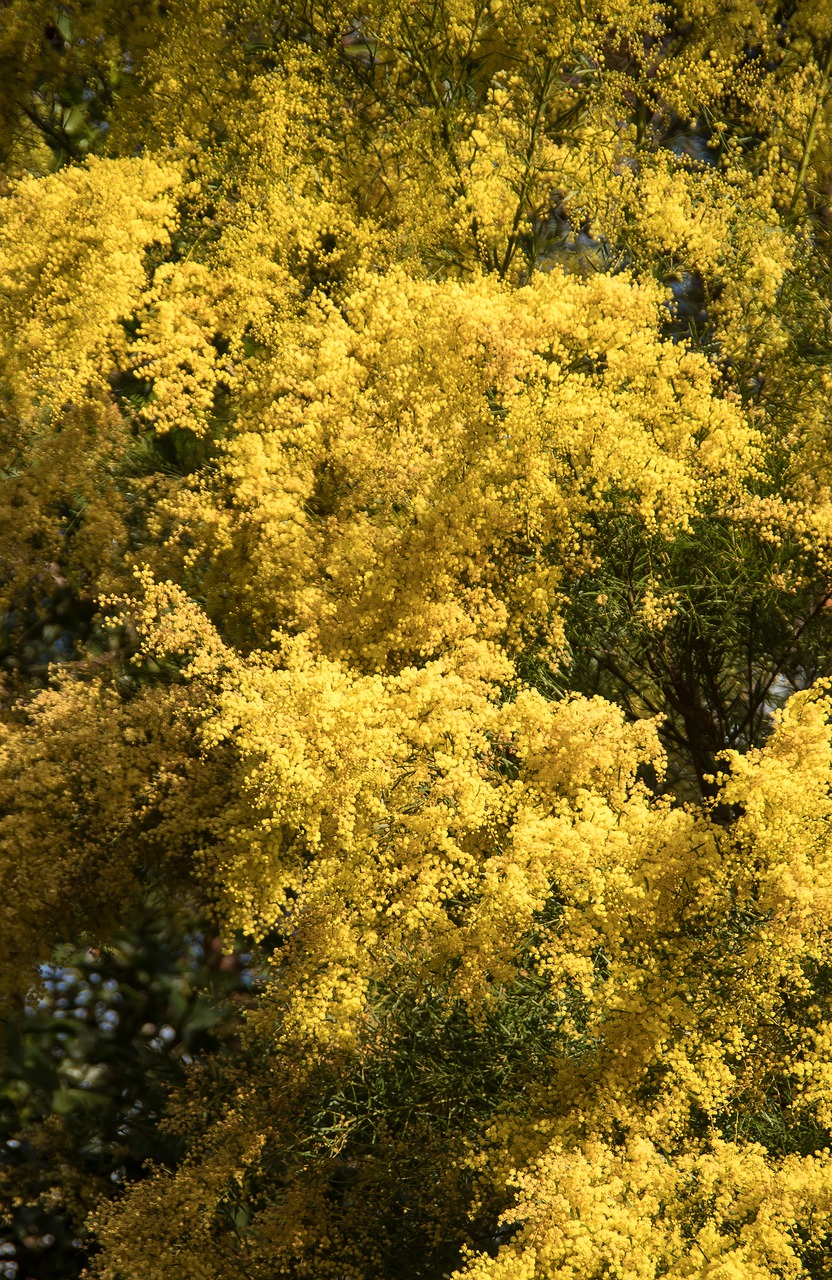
(58,136)
(813,124)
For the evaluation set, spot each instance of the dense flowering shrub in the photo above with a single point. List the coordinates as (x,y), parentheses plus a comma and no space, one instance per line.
(415,428)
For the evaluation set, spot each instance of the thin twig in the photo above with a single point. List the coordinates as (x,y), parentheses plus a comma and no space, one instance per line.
(813,124)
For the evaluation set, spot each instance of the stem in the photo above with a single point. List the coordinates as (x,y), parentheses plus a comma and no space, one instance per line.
(525,187)
(813,124)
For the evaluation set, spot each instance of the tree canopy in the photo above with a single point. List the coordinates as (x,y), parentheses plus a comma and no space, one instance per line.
(416,565)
